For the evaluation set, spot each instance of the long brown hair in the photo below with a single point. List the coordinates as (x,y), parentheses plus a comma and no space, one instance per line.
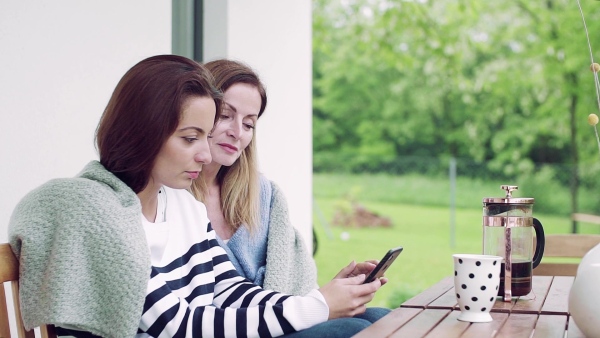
(239,183)
(144,111)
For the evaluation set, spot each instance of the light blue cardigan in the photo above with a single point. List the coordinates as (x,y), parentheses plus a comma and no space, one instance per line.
(274,256)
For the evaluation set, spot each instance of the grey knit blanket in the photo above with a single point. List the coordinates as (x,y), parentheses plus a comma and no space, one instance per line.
(84,261)
(290,268)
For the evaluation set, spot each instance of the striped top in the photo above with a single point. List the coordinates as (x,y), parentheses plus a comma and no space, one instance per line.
(195,291)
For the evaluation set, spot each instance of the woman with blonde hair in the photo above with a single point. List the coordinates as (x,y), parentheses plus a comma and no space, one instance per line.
(249,212)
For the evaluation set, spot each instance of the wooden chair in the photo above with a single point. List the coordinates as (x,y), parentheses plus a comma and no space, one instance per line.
(586,218)
(567,246)
(9,272)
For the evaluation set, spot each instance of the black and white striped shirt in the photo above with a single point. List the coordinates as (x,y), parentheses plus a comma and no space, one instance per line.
(195,291)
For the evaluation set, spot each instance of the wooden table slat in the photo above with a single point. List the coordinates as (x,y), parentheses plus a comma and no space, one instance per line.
(501,306)
(520,326)
(446,301)
(388,324)
(557,301)
(535,299)
(449,327)
(479,330)
(424,298)
(551,326)
(422,324)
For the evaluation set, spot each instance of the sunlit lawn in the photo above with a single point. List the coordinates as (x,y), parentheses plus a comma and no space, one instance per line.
(423,231)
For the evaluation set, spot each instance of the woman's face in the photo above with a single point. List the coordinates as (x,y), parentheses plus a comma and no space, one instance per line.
(235,128)
(181,157)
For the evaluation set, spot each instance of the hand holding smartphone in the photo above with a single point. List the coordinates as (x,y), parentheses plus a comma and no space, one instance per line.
(384,264)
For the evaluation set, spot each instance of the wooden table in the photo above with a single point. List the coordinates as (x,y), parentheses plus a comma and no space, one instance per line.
(433,313)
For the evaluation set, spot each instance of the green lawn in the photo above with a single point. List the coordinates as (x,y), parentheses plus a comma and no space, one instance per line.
(424,232)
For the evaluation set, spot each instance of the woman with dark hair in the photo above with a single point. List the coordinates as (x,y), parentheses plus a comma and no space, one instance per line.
(123,249)
(249,212)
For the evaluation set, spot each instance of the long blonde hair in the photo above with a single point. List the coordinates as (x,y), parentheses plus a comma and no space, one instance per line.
(239,183)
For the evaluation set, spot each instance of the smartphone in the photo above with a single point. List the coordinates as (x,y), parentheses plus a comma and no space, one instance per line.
(384,264)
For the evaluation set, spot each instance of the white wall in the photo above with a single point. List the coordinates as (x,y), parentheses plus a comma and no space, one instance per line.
(275,38)
(59,62)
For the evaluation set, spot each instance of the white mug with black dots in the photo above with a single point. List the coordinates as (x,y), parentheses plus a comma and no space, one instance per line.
(476,280)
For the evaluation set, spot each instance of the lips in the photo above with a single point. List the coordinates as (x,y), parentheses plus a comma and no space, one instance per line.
(228,147)
(193,174)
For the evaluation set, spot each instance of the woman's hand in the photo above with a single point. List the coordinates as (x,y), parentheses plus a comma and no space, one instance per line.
(354,269)
(347,297)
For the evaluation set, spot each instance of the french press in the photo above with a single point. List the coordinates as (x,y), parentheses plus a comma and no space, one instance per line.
(507,232)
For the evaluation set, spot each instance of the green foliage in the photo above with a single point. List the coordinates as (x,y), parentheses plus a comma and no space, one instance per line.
(503,83)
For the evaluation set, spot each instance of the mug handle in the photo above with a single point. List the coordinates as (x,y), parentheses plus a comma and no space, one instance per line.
(540,242)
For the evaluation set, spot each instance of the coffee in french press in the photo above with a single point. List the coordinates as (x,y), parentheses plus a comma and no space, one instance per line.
(508,228)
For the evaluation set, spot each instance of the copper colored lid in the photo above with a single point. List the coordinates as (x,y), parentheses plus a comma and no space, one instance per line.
(508,199)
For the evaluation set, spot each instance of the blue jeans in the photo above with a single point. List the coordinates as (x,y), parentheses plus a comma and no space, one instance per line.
(342,327)
(335,328)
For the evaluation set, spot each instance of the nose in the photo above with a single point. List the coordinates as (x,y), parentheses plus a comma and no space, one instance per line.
(234,129)
(202,154)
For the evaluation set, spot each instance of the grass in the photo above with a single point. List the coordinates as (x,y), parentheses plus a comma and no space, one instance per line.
(421,227)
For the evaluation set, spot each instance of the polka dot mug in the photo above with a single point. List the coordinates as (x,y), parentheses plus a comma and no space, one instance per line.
(476,281)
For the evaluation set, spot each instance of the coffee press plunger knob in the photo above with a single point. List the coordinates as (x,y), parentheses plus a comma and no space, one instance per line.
(509,189)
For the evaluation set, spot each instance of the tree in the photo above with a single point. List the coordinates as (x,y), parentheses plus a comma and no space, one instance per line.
(499,82)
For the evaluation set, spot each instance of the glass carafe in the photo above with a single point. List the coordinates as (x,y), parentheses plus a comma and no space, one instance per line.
(508,229)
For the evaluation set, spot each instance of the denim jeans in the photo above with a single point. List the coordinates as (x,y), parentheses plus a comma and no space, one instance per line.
(342,327)
(335,328)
